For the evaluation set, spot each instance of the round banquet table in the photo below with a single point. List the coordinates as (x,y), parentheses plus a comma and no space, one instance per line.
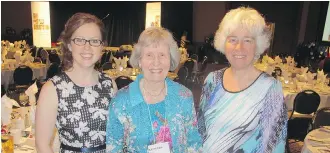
(317,141)
(114,73)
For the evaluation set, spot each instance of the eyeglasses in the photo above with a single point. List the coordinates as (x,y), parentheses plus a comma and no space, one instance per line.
(82,42)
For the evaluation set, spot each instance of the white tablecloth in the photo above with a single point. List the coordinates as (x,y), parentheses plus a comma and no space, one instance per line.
(317,141)
(39,72)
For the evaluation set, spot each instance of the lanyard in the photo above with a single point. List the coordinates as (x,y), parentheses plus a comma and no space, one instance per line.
(152,128)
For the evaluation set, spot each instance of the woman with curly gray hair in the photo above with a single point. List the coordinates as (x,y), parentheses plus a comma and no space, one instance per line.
(242,108)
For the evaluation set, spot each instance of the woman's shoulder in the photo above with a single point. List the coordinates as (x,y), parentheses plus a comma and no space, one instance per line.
(58,77)
(215,77)
(270,79)
(122,93)
(176,87)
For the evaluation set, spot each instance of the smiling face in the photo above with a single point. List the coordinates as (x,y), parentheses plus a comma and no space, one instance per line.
(85,56)
(240,48)
(155,62)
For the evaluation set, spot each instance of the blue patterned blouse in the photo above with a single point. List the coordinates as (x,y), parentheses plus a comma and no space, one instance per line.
(131,127)
(251,120)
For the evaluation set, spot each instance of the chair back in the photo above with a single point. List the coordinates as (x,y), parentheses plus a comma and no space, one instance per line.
(306,102)
(3,90)
(204,64)
(326,65)
(194,57)
(44,55)
(107,66)
(53,69)
(190,66)
(23,75)
(123,81)
(183,75)
(54,58)
(104,57)
(321,118)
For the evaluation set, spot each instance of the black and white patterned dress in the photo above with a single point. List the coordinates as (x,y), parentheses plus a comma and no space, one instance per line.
(82,112)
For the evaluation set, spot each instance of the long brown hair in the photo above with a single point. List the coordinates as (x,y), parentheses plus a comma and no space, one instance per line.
(76,21)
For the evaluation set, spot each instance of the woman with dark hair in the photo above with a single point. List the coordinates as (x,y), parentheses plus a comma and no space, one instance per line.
(76,101)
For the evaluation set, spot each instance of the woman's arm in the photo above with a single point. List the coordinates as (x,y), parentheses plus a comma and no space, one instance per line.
(276,128)
(194,138)
(46,117)
(206,91)
(115,130)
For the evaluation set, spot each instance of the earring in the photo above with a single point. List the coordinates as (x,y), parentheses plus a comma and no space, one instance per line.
(257,57)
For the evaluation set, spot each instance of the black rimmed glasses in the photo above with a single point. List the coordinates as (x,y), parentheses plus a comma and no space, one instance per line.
(82,42)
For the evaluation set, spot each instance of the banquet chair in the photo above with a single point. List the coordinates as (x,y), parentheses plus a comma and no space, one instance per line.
(104,57)
(107,66)
(321,118)
(305,103)
(23,75)
(44,56)
(194,57)
(326,66)
(53,69)
(199,74)
(123,81)
(3,90)
(182,75)
(190,66)
(15,94)
(37,60)
(54,58)
(300,118)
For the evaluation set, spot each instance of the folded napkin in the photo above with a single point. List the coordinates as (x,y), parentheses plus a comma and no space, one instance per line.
(271,61)
(265,59)
(288,59)
(270,69)
(17,56)
(286,76)
(321,77)
(292,63)
(303,70)
(278,60)
(310,78)
(124,62)
(118,63)
(4,51)
(31,91)
(7,108)
(294,85)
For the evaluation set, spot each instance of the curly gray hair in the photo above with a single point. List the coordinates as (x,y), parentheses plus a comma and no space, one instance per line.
(246,18)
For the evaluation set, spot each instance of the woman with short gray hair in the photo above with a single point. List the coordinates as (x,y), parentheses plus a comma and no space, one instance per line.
(154,36)
(241,108)
(153,112)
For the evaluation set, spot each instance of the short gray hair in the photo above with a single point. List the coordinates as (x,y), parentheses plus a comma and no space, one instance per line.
(155,36)
(246,18)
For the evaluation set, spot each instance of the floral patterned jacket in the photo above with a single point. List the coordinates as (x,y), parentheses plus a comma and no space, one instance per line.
(128,126)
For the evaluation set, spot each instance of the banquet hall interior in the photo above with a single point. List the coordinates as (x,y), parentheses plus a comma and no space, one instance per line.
(298,56)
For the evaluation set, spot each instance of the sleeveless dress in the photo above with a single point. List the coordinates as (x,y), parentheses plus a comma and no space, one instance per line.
(82,112)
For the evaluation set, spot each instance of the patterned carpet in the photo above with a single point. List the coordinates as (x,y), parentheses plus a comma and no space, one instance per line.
(295,147)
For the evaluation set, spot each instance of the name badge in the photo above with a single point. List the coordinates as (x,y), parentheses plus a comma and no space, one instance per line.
(163,147)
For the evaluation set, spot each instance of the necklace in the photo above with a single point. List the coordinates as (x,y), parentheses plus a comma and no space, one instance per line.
(153,96)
